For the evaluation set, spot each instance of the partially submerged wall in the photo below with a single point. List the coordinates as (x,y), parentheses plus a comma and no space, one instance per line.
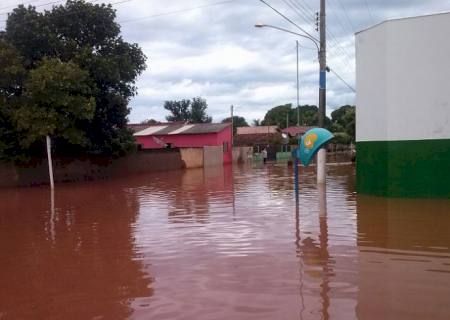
(403,108)
(192,157)
(90,168)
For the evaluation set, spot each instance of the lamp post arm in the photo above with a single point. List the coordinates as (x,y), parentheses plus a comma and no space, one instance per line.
(292,32)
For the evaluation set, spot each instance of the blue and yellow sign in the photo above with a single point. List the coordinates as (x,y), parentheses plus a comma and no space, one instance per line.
(311,142)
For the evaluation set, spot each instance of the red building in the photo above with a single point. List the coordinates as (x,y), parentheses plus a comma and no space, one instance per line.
(180,135)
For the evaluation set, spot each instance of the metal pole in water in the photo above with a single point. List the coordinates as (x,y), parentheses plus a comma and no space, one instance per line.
(50,164)
(296,176)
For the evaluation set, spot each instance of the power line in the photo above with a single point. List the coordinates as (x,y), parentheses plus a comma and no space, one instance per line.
(345,82)
(368,10)
(16,5)
(289,20)
(176,11)
(340,21)
(348,19)
(40,5)
(78,11)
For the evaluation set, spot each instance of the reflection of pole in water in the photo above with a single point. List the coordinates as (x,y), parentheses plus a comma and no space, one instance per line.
(52,214)
(323,225)
(299,254)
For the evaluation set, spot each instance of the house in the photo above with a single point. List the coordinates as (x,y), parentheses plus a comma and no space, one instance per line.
(403,107)
(212,139)
(259,136)
(296,131)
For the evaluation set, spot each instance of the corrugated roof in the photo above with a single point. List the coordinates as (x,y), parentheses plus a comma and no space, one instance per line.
(294,131)
(177,128)
(257,130)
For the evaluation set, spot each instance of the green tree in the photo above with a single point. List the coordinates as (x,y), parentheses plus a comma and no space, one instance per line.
(237,122)
(12,76)
(57,100)
(87,35)
(149,121)
(343,121)
(188,111)
(198,111)
(256,122)
(309,116)
(278,116)
(180,110)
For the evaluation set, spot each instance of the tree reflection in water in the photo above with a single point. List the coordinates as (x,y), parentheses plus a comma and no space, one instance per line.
(73,257)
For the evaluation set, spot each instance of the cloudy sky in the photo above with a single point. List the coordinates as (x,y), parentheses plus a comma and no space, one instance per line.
(210,48)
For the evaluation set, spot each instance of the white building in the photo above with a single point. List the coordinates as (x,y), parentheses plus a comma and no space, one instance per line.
(403,107)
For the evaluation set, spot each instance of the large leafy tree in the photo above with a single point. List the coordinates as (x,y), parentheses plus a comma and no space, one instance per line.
(187,111)
(198,111)
(57,101)
(343,122)
(87,35)
(237,122)
(12,76)
(279,115)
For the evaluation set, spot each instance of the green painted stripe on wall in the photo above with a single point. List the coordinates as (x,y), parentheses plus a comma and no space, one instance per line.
(413,168)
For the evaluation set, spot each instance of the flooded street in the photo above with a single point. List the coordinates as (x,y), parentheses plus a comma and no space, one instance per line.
(222,243)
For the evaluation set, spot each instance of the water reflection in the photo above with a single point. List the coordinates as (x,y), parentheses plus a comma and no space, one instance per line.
(222,243)
(71,257)
(404,258)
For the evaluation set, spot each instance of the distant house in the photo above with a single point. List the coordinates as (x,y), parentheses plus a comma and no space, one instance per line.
(182,135)
(258,136)
(296,131)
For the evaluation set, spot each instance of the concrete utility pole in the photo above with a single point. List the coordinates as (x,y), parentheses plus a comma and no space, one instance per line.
(298,98)
(321,155)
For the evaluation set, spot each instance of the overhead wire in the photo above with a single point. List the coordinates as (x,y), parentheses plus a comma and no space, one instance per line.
(344,9)
(78,11)
(334,46)
(368,10)
(289,20)
(176,11)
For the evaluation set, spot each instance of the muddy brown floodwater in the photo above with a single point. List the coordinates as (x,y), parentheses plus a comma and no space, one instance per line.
(222,243)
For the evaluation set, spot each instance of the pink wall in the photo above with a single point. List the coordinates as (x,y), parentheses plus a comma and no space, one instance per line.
(191,141)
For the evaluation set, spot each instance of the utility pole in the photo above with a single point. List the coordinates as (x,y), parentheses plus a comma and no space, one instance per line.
(298,98)
(321,155)
(232,126)
(287,120)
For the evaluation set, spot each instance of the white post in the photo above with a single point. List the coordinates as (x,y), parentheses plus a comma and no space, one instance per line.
(321,159)
(50,165)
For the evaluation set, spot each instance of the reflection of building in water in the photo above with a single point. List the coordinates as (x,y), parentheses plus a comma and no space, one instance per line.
(404,258)
(193,200)
(82,269)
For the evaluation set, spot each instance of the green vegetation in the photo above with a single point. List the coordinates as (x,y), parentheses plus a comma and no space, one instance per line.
(342,122)
(188,111)
(278,116)
(237,122)
(67,73)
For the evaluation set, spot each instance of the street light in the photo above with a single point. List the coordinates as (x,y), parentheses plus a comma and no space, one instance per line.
(321,157)
(262,25)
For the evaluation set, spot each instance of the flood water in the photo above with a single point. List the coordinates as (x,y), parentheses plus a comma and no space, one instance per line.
(222,243)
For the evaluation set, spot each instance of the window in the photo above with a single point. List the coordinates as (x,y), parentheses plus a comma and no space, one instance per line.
(225,147)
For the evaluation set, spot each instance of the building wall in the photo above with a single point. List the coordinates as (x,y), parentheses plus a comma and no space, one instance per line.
(192,141)
(225,137)
(403,108)
(90,168)
(192,157)
(212,156)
